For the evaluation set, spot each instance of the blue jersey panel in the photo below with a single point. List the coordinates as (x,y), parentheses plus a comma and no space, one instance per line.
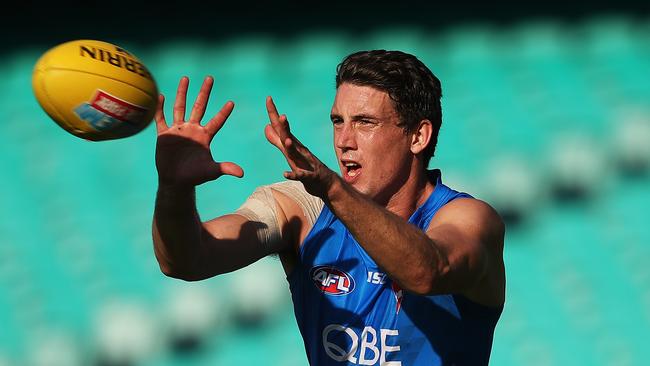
(350,313)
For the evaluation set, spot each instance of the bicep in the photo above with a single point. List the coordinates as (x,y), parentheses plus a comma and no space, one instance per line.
(272,220)
(230,242)
(236,240)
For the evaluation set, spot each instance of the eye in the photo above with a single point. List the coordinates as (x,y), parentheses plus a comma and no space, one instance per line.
(365,122)
(337,121)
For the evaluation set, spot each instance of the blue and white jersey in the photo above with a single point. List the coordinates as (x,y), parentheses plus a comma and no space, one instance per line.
(350,313)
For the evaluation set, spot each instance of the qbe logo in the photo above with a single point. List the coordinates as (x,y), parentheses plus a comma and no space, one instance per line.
(331,280)
(371,347)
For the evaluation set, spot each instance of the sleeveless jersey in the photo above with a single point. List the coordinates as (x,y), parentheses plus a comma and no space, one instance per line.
(350,313)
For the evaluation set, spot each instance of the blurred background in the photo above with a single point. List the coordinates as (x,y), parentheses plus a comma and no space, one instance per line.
(546,115)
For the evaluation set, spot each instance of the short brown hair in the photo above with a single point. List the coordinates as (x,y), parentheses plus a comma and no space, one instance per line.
(413,88)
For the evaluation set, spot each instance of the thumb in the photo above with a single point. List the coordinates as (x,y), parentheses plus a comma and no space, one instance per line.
(273,137)
(226,168)
(216,170)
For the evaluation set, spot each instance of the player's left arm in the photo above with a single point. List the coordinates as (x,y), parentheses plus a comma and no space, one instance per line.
(460,252)
(460,249)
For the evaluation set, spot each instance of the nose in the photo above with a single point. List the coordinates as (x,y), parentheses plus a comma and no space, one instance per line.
(345,137)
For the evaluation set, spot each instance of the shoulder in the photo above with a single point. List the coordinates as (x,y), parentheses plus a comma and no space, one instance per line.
(474,217)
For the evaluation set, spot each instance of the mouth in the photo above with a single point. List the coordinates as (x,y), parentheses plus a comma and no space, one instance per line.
(351,170)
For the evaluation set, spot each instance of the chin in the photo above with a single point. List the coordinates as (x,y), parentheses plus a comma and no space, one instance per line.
(359,187)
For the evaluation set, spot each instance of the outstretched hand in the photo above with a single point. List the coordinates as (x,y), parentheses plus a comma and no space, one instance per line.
(305,166)
(183,156)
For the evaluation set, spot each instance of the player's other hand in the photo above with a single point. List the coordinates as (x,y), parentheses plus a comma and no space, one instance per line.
(183,156)
(305,166)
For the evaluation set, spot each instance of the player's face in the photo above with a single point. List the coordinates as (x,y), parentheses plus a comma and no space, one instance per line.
(373,151)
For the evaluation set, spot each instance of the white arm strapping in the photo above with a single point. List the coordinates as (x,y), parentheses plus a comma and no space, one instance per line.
(261,207)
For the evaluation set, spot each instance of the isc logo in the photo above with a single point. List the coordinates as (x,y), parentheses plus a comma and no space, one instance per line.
(332,281)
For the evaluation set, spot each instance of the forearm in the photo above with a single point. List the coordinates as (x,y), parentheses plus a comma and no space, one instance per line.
(402,250)
(176,231)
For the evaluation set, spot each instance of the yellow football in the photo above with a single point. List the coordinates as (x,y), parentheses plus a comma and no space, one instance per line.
(95,90)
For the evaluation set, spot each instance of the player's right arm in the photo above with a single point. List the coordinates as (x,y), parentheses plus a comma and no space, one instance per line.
(189,249)
(186,247)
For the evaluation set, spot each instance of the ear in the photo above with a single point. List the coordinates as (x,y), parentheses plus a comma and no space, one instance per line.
(421,136)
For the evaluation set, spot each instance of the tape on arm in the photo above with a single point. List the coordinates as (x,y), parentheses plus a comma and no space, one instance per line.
(262,208)
(311,205)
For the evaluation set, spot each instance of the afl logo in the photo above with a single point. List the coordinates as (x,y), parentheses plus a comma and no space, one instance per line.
(332,281)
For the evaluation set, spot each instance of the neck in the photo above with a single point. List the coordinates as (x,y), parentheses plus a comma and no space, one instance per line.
(411,195)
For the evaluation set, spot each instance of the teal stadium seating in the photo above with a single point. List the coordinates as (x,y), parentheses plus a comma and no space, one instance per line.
(75,215)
